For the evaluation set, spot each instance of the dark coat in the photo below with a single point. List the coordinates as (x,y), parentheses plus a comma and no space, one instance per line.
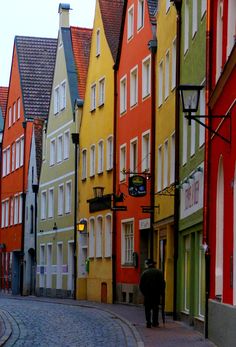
(152,286)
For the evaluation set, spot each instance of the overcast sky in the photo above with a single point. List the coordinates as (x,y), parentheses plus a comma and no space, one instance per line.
(35,18)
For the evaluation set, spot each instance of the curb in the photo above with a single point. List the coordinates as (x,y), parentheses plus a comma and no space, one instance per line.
(4,316)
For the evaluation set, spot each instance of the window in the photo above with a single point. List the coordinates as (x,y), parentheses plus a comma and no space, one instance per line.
(52,152)
(60,200)
(22,151)
(14,113)
(185,139)
(110,153)
(166,157)
(98,43)
(173,69)
(18,108)
(127,242)
(92,160)
(186,26)
(68,197)
(63,95)
(8,160)
(202,111)
(84,164)
(133,86)
(93,98)
(59,148)
(16,209)
(201,277)
(187,271)
(130,22)
(122,162)
(193,137)
(101,87)
(43,204)
(91,238)
(31,219)
(146,77)
(9,117)
(66,144)
(133,155)
(11,211)
(167,5)
(172,159)
(140,14)
(123,95)
(146,152)
(3,214)
(203,7)
(7,213)
(219,36)
(17,154)
(231,35)
(51,203)
(4,163)
(20,207)
(108,236)
(99,238)
(167,75)
(159,169)
(100,156)
(56,100)
(13,156)
(194,17)
(160,84)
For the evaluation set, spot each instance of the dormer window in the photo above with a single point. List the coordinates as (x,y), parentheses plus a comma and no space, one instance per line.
(98,43)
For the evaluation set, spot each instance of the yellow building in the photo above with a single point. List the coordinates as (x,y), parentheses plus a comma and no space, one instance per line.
(95,180)
(165,145)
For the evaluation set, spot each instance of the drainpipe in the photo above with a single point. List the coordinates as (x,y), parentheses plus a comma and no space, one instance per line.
(206,225)
(178,5)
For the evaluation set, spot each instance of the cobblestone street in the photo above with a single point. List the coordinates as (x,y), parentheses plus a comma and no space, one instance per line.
(37,323)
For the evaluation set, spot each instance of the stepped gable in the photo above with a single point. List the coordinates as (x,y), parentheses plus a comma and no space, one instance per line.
(112,12)
(152,7)
(3,100)
(81,43)
(36,59)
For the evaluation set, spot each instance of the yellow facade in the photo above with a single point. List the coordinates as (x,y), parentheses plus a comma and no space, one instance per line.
(96,131)
(165,148)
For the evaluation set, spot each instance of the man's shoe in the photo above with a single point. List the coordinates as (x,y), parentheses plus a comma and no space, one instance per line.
(149,325)
(156,324)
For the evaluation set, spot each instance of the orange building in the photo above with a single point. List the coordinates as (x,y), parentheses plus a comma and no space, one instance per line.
(134,141)
(28,98)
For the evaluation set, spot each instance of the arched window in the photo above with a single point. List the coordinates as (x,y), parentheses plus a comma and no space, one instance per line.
(231,35)
(219,37)
(219,231)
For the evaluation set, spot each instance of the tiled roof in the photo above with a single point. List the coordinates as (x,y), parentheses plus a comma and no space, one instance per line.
(36,59)
(111,12)
(81,42)
(3,100)
(152,7)
(38,133)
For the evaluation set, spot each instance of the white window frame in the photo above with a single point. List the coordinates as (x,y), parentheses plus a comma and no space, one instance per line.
(22,149)
(193,138)
(3,215)
(167,5)
(134,155)
(13,147)
(52,152)
(68,197)
(63,95)
(6,212)
(99,227)
(166,164)
(130,23)
(159,169)
(203,7)
(14,113)
(17,153)
(108,236)
(160,84)
(18,108)
(127,241)
(4,163)
(43,204)
(173,65)
(51,202)
(91,237)
(92,158)
(60,199)
(56,100)
(16,209)
(109,158)
(172,158)
(186,26)
(8,160)
(141,14)
(98,42)
(93,97)
(9,117)
(202,111)
(59,148)
(12,211)
(123,162)
(134,86)
(101,91)
(194,17)
(20,202)
(123,94)
(66,145)
(84,163)
(231,30)
(185,140)
(219,39)
(146,151)
(167,74)
(146,77)
(100,156)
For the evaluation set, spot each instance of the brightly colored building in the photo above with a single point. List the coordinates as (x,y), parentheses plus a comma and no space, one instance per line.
(95,265)
(55,229)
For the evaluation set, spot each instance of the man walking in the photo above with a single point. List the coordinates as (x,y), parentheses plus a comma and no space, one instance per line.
(152,286)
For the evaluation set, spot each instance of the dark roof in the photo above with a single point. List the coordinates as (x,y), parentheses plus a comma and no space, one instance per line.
(38,134)
(3,100)
(111,12)
(152,7)
(81,42)
(36,59)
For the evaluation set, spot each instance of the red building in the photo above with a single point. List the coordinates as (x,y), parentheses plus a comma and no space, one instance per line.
(28,98)
(221,166)
(133,131)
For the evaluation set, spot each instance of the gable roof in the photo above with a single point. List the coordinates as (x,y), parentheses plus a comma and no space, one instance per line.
(152,8)
(3,100)
(81,43)
(112,12)
(36,61)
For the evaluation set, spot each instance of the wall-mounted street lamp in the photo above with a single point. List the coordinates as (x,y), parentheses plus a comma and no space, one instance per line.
(82,226)
(190,96)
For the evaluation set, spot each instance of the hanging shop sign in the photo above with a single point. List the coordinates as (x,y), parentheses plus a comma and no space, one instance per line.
(137,185)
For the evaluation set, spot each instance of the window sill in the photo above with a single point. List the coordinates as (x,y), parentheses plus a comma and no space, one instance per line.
(101,105)
(109,169)
(93,110)
(145,97)
(123,113)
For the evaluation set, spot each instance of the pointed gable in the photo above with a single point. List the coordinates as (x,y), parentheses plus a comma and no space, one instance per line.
(112,12)
(3,100)
(81,43)
(36,60)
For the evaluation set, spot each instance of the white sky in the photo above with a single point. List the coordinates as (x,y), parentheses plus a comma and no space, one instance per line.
(38,18)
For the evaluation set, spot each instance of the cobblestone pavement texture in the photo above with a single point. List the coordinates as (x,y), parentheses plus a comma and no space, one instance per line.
(37,321)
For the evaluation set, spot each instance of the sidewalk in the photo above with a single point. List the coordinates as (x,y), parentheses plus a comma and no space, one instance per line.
(172,334)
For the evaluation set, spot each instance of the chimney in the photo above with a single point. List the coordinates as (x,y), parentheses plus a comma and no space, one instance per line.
(63,11)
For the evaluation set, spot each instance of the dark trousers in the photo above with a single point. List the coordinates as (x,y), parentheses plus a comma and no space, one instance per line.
(151,312)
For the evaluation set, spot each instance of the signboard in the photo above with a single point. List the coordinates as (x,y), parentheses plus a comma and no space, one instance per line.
(137,185)
(144,224)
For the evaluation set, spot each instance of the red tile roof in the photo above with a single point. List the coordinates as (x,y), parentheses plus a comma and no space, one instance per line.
(81,42)
(112,17)
(3,100)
